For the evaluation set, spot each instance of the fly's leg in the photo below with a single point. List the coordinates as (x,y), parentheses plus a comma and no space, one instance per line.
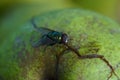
(92,56)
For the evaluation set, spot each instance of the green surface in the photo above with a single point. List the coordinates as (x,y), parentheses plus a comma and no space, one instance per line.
(91,32)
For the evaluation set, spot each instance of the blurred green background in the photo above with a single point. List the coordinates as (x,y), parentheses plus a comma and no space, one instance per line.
(14,13)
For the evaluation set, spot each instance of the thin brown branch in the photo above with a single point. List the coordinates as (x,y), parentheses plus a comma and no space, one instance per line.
(92,56)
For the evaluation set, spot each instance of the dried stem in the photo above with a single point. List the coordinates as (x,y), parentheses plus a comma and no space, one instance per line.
(57,63)
(92,56)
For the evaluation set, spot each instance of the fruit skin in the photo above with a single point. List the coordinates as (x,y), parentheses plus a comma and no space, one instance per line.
(92,32)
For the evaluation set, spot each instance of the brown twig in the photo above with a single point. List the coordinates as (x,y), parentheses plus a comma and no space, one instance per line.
(92,56)
(57,63)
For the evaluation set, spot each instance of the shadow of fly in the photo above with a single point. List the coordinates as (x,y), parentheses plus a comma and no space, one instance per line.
(51,37)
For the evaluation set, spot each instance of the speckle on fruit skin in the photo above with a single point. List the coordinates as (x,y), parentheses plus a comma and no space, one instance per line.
(89,31)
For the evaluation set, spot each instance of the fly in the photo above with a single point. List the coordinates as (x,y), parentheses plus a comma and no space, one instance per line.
(49,37)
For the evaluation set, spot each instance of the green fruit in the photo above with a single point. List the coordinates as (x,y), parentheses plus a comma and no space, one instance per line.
(89,32)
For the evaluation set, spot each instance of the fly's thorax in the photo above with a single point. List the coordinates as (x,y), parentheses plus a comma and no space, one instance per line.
(55,36)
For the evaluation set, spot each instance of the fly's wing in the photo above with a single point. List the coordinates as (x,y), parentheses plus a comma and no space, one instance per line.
(42,30)
(42,41)
(40,38)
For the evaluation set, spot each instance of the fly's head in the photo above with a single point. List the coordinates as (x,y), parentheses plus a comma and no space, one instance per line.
(64,39)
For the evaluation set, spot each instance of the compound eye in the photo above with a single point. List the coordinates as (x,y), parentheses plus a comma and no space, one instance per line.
(65,38)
